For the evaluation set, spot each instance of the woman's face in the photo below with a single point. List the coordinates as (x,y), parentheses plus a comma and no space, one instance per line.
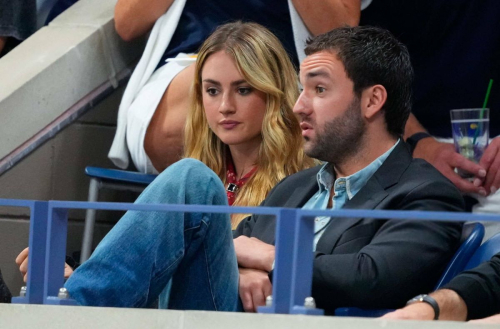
(234,109)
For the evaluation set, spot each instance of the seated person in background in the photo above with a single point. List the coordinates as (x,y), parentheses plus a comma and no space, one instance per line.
(241,123)
(454,46)
(352,115)
(473,294)
(154,107)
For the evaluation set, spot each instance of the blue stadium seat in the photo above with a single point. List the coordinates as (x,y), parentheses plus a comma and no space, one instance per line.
(487,250)
(472,235)
(113,179)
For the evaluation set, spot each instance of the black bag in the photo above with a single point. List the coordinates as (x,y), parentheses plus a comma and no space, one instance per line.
(5,295)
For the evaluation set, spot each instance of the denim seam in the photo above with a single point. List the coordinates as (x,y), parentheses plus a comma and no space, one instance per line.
(208,269)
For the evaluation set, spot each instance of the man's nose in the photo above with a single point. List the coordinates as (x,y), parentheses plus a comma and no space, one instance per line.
(303,105)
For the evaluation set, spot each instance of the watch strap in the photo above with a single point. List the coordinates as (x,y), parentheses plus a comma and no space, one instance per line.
(415,138)
(428,300)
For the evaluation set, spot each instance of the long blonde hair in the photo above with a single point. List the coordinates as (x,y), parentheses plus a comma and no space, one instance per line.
(265,65)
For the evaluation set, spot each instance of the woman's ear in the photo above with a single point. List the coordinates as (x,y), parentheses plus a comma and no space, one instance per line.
(373,99)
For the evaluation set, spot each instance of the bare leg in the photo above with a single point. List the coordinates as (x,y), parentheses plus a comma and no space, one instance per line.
(164,138)
(3,40)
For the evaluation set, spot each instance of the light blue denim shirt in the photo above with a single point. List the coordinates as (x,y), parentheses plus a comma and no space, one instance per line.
(345,189)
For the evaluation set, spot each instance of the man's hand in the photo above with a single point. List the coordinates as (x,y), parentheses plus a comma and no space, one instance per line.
(416,311)
(490,161)
(253,253)
(491,319)
(22,261)
(255,286)
(444,158)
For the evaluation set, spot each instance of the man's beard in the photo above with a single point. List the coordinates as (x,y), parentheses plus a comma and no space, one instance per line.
(340,138)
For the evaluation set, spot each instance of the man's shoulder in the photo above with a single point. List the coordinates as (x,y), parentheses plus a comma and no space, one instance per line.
(424,175)
(422,171)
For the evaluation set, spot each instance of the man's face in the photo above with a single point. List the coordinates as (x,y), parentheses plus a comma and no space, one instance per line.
(328,110)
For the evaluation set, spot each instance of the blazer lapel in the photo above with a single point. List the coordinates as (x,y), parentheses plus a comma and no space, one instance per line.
(301,194)
(369,197)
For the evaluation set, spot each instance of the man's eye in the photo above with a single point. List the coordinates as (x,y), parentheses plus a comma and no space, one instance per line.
(244,90)
(212,91)
(320,90)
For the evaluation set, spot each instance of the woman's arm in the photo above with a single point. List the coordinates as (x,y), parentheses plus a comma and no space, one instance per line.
(321,16)
(133,18)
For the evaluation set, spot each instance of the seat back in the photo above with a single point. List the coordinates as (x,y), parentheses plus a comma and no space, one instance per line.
(472,235)
(485,252)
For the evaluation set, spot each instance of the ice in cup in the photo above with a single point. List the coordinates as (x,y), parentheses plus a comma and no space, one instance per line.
(470,129)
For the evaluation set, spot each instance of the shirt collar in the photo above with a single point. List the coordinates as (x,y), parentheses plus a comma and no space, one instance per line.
(353,183)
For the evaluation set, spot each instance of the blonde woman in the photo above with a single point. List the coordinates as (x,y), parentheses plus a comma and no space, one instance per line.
(244,138)
(241,123)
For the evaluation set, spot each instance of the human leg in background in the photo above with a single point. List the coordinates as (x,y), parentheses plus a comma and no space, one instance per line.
(134,262)
(164,140)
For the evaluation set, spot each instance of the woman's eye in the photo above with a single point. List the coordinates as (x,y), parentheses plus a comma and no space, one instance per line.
(320,90)
(212,91)
(244,91)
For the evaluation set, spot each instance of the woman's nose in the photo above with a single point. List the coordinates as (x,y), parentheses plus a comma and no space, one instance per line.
(227,104)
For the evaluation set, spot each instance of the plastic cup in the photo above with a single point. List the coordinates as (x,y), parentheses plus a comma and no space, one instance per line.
(470,129)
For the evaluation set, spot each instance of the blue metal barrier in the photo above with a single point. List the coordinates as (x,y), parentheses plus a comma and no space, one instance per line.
(37,238)
(292,278)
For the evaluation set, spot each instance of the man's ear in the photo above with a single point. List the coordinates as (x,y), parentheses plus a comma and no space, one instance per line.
(373,99)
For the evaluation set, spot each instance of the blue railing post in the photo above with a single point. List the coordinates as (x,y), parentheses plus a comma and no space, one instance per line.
(283,266)
(57,231)
(36,260)
(303,257)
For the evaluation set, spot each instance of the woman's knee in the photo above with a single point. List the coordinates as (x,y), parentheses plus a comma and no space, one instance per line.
(192,181)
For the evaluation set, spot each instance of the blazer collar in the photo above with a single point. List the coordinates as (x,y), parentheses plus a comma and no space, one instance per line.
(369,197)
(302,193)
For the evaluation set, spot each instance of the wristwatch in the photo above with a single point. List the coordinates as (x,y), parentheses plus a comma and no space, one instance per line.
(415,138)
(426,299)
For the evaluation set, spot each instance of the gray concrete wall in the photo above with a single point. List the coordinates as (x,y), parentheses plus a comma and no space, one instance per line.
(34,316)
(58,66)
(55,171)
(40,80)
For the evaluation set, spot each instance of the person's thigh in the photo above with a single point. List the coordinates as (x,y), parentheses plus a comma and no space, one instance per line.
(164,140)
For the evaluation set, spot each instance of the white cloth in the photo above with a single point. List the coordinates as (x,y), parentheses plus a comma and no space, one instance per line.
(158,41)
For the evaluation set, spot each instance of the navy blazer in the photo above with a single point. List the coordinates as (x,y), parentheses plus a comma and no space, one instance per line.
(372,263)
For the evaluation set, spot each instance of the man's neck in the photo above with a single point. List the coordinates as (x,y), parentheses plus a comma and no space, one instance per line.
(371,150)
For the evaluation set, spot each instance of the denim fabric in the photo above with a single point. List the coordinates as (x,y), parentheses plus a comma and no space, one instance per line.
(135,261)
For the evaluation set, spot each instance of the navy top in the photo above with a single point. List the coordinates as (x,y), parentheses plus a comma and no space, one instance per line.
(201,17)
(455,51)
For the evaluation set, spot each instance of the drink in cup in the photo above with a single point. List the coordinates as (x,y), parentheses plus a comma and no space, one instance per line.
(470,129)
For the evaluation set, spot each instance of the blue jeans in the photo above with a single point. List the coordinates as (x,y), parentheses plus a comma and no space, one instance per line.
(134,262)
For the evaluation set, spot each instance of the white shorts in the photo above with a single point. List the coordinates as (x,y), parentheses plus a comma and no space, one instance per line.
(142,109)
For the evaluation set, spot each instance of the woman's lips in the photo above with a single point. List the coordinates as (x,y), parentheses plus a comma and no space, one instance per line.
(229,124)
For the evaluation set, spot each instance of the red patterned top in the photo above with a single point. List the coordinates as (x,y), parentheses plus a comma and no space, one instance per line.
(234,185)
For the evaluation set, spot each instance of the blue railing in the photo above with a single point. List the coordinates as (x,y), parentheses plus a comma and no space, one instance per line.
(292,278)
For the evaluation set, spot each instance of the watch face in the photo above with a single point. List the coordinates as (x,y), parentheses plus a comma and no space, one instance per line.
(419,298)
